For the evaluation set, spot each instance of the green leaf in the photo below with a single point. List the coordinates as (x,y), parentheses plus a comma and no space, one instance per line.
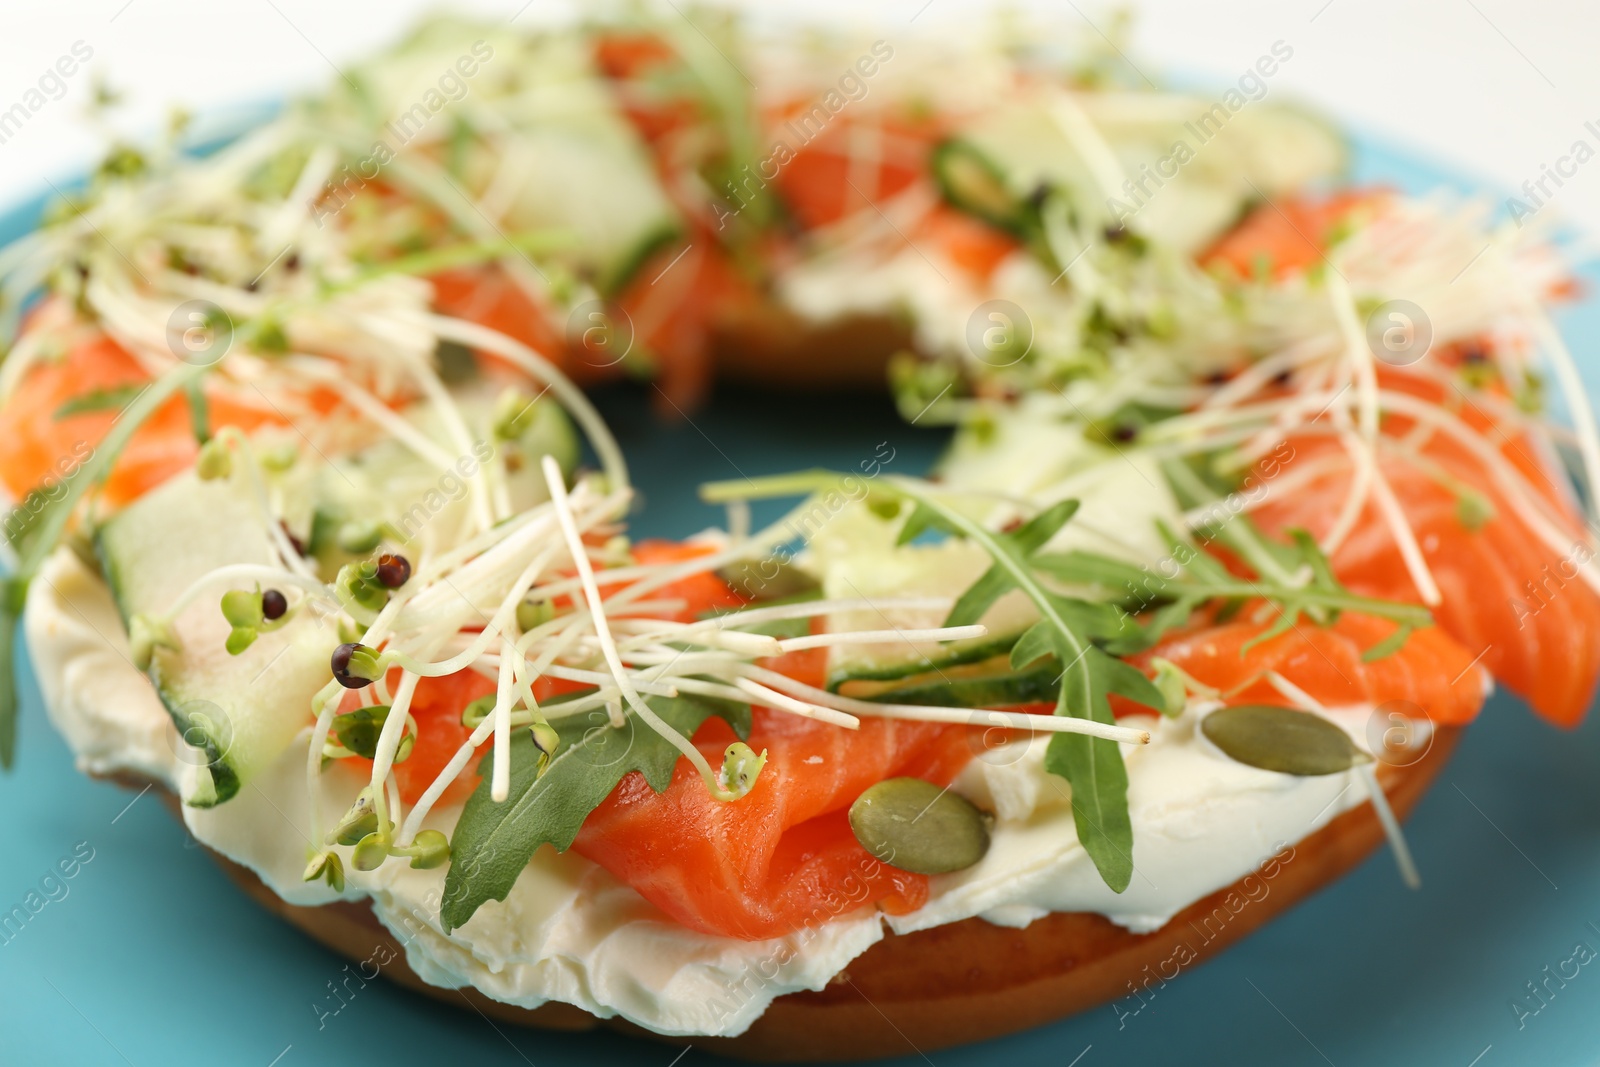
(494,842)
(920,521)
(1117,578)
(1388,646)
(1020,544)
(1285,622)
(113,399)
(993,584)
(1034,534)
(1129,681)
(1094,767)
(1312,554)
(1037,642)
(359,730)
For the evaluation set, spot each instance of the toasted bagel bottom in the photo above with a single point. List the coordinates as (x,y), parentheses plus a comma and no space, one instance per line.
(953,984)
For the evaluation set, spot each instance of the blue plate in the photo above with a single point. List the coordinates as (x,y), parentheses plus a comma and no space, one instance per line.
(148,955)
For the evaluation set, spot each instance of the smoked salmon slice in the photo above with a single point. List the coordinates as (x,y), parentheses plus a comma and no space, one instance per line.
(1505,595)
(41,446)
(1285,238)
(1429,669)
(783,857)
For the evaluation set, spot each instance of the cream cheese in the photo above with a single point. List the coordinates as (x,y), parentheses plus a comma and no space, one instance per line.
(570,932)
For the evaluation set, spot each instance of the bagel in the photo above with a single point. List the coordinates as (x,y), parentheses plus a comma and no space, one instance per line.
(339,540)
(950,985)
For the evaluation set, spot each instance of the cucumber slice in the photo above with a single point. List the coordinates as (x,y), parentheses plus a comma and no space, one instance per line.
(575,163)
(1193,164)
(597,184)
(974,183)
(389,483)
(238,714)
(1030,453)
(944,569)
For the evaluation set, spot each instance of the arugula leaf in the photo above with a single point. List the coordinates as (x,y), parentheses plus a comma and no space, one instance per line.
(997,581)
(113,399)
(1094,767)
(1193,578)
(917,523)
(494,842)
(1389,645)
(1066,627)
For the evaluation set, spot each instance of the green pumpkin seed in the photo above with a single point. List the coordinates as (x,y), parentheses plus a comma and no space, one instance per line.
(1281,739)
(916,826)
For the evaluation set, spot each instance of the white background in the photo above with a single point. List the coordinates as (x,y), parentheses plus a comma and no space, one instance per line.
(1495,88)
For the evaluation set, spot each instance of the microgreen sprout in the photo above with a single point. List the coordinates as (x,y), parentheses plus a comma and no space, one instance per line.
(279,458)
(428,850)
(513,414)
(476,712)
(215,461)
(534,613)
(547,741)
(360,821)
(248,614)
(357,585)
(273,605)
(328,867)
(741,766)
(358,731)
(1176,684)
(371,851)
(359,537)
(356,666)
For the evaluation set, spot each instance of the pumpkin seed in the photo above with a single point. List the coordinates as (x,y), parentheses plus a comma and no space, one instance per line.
(1281,739)
(916,826)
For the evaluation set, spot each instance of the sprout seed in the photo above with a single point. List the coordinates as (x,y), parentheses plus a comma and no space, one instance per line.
(355,665)
(393,570)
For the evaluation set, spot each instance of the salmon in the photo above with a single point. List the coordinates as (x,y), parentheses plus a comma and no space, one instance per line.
(672,306)
(976,247)
(783,857)
(487,296)
(436,706)
(39,448)
(701,593)
(837,168)
(1288,237)
(1505,595)
(1430,670)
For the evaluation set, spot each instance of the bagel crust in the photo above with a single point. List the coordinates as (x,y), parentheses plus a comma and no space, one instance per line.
(948,985)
